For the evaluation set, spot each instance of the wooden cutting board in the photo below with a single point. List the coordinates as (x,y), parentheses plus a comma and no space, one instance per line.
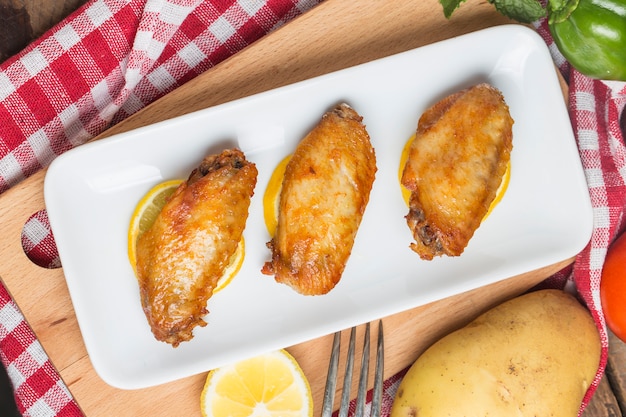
(332,36)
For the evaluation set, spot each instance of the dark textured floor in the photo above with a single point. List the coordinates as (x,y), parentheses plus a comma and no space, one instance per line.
(7,400)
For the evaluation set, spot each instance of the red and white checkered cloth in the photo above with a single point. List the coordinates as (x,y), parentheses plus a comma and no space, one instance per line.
(111,58)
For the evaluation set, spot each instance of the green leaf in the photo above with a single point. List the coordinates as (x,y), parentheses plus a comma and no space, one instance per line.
(450,6)
(524,11)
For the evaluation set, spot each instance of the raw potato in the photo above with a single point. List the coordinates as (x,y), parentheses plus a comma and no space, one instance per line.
(535,355)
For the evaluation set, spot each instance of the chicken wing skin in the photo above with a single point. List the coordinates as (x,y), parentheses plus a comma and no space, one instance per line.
(454,168)
(325,190)
(181,258)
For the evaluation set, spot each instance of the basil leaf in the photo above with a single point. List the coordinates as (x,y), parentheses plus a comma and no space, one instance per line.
(450,6)
(524,11)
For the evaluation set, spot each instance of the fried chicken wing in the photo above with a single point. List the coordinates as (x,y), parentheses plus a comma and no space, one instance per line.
(325,190)
(455,165)
(182,256)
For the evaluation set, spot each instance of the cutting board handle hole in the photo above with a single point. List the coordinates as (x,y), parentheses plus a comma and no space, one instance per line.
(38,242)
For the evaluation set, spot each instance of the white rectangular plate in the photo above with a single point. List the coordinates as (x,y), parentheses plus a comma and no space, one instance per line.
(544,217)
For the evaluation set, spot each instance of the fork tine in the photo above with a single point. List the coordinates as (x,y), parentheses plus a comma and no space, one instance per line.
(365,361)
(377,396)
(331,378)
(347,381)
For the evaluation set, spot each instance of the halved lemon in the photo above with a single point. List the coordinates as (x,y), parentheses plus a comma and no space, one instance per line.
(268,385)
(145,214)
(406,194)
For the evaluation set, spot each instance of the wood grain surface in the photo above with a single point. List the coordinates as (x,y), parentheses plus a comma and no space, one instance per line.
(610,397)
(334,35)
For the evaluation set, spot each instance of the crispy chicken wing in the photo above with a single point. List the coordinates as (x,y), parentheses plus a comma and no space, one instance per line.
(324,193)
(455,165)
(183,255)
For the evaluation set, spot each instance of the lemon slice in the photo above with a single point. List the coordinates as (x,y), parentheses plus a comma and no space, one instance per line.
(269,385)
(501,189)
(145,214)
(406,194)
(233,267)
(272,192)
(404,156)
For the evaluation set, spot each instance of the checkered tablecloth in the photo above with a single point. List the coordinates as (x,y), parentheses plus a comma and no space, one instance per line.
(111,58)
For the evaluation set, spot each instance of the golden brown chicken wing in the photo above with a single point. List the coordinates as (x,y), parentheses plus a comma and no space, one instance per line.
(324,193)
(183,255)
(455,165)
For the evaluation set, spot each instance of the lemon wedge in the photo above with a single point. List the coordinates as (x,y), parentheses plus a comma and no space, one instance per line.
(268,385)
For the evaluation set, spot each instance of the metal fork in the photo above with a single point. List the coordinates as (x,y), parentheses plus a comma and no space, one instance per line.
(331,379)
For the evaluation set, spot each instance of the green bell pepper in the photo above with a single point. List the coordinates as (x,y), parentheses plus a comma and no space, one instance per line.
(591,35)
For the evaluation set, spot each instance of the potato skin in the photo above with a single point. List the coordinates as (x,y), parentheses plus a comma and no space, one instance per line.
(534,355)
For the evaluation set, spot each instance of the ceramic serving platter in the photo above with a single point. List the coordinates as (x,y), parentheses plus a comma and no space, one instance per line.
(544,217)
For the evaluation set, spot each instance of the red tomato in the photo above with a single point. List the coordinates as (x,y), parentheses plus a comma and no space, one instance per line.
(613,287)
